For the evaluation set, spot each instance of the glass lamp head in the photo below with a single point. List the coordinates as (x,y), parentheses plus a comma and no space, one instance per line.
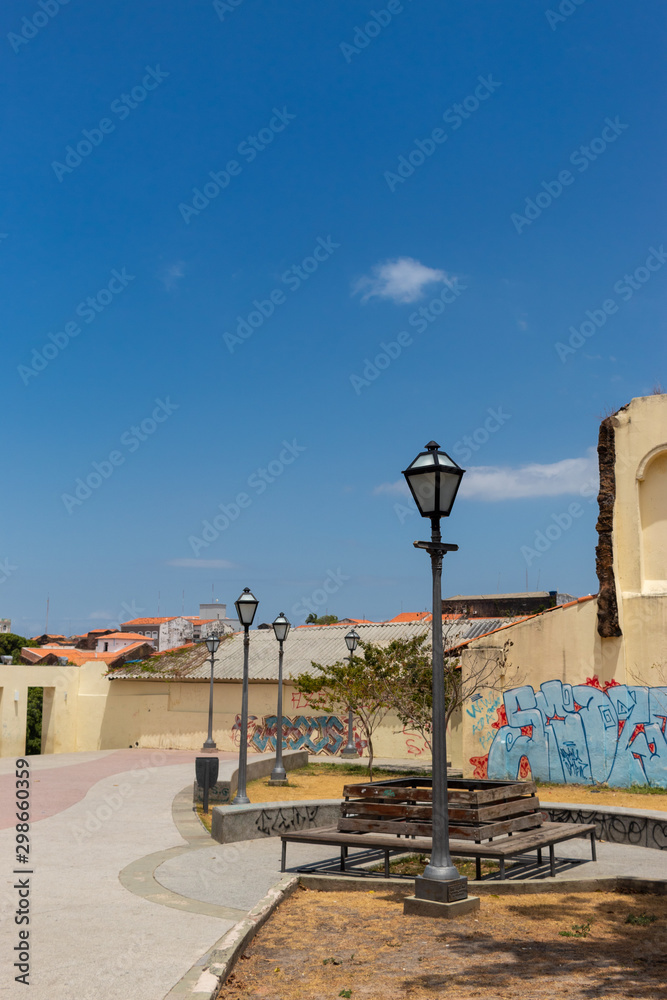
(434,479)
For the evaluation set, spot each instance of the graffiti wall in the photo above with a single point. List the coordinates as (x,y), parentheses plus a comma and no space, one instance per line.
(579,734)
(325,734)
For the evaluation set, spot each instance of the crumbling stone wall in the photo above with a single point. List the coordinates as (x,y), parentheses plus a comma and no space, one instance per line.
(608,624)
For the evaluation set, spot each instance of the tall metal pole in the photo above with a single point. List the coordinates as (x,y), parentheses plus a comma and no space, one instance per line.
(350,750)
(209,744)
(279,773)
(440,867)
(241,799)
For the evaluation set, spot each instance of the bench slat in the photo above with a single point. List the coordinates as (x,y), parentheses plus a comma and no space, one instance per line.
(508,846)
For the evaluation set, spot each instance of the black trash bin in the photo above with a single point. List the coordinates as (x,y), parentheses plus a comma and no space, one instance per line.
(206,773)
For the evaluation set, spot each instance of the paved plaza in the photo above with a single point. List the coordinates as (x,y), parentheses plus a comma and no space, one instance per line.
(129,892)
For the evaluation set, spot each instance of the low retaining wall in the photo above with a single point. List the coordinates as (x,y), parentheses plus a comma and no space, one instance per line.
(636,827)
(224,791)
(269,819)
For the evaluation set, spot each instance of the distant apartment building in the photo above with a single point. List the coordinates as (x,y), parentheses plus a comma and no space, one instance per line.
(502,605)
(216,612)
(170,631)
(113,642)
(165,632)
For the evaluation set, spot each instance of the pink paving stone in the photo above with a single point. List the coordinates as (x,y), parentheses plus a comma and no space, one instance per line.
(54,789)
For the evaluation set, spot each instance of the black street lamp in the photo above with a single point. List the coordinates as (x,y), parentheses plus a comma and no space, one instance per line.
(212,644)
(351,640)
(246,606)
(434,479)
(281,629)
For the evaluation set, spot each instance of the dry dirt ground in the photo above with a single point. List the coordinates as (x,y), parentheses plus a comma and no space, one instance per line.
(323,945)
(326,781)
(314,783)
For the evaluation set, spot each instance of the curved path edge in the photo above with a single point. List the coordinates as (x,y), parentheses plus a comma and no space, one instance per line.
(139,876)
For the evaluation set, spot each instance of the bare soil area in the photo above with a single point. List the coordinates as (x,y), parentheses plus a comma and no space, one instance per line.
(322,945)
(326,781)
(317,781)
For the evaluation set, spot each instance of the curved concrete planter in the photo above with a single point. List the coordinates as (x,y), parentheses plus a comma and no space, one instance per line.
(260,767)
(617,825)
(270,819)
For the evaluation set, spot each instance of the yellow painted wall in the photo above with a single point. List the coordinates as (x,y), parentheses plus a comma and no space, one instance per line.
(564,644)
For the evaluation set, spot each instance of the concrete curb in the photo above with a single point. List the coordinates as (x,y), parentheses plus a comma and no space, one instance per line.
(258,766)
(230,824)
(205,982)
(515,887)
(615,824)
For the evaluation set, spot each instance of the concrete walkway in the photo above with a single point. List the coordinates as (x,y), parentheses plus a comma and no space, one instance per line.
(128,892)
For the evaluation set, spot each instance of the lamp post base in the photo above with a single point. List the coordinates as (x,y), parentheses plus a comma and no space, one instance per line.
(209,747)
(241,800)
(413,906)
(349,752)
(277,782)
(278,776)
(438,891)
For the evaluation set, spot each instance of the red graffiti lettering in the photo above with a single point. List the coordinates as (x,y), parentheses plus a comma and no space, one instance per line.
(502,718)
(524,769)
(480,766)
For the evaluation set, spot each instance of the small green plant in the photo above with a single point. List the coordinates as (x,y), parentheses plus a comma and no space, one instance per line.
(578,930)
(345,993)
(641,919)
(331,961)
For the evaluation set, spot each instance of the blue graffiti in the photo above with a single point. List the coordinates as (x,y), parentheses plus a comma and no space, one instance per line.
(316,734)
(582,734)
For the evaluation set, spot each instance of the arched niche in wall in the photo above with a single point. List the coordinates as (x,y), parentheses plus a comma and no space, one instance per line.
(652,486)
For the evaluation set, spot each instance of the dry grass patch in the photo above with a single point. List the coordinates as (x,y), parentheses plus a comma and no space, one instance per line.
(322,945)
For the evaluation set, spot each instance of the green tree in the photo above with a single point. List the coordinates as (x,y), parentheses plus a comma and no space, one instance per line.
(33,729)
(357,684)
(10,645)
(409,680)
(312,619)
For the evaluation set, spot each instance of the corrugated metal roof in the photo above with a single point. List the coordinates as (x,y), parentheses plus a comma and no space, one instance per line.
(322,644)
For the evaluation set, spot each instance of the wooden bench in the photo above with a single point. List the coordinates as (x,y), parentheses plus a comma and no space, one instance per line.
(487,819)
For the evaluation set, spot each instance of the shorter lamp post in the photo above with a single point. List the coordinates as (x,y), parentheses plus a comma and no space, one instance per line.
(246,606)
(281,629)
(212,644)
(351,640)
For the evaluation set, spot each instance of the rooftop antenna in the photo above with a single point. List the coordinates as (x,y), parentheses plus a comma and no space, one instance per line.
(158,603)
(46,627)
(538,579)
(183,603)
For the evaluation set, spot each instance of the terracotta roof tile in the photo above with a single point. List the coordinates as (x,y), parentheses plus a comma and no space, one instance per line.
(150,621)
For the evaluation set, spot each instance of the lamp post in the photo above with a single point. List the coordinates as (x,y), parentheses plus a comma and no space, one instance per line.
(434,478)
(281,629)
(246,606)
(212,644)
(351,640)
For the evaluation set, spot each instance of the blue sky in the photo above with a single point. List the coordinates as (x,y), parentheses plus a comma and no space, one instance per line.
(217,217)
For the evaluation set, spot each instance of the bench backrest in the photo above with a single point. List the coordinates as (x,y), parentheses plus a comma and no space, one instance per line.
(478,810)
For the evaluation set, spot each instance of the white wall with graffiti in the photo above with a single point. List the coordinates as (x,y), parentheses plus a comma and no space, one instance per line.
(574,733)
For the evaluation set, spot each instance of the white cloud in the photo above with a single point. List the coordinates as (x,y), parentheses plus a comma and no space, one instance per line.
(492,483)
(402,280)
(171,274)
(104,615)
(201,563)
(400,488)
